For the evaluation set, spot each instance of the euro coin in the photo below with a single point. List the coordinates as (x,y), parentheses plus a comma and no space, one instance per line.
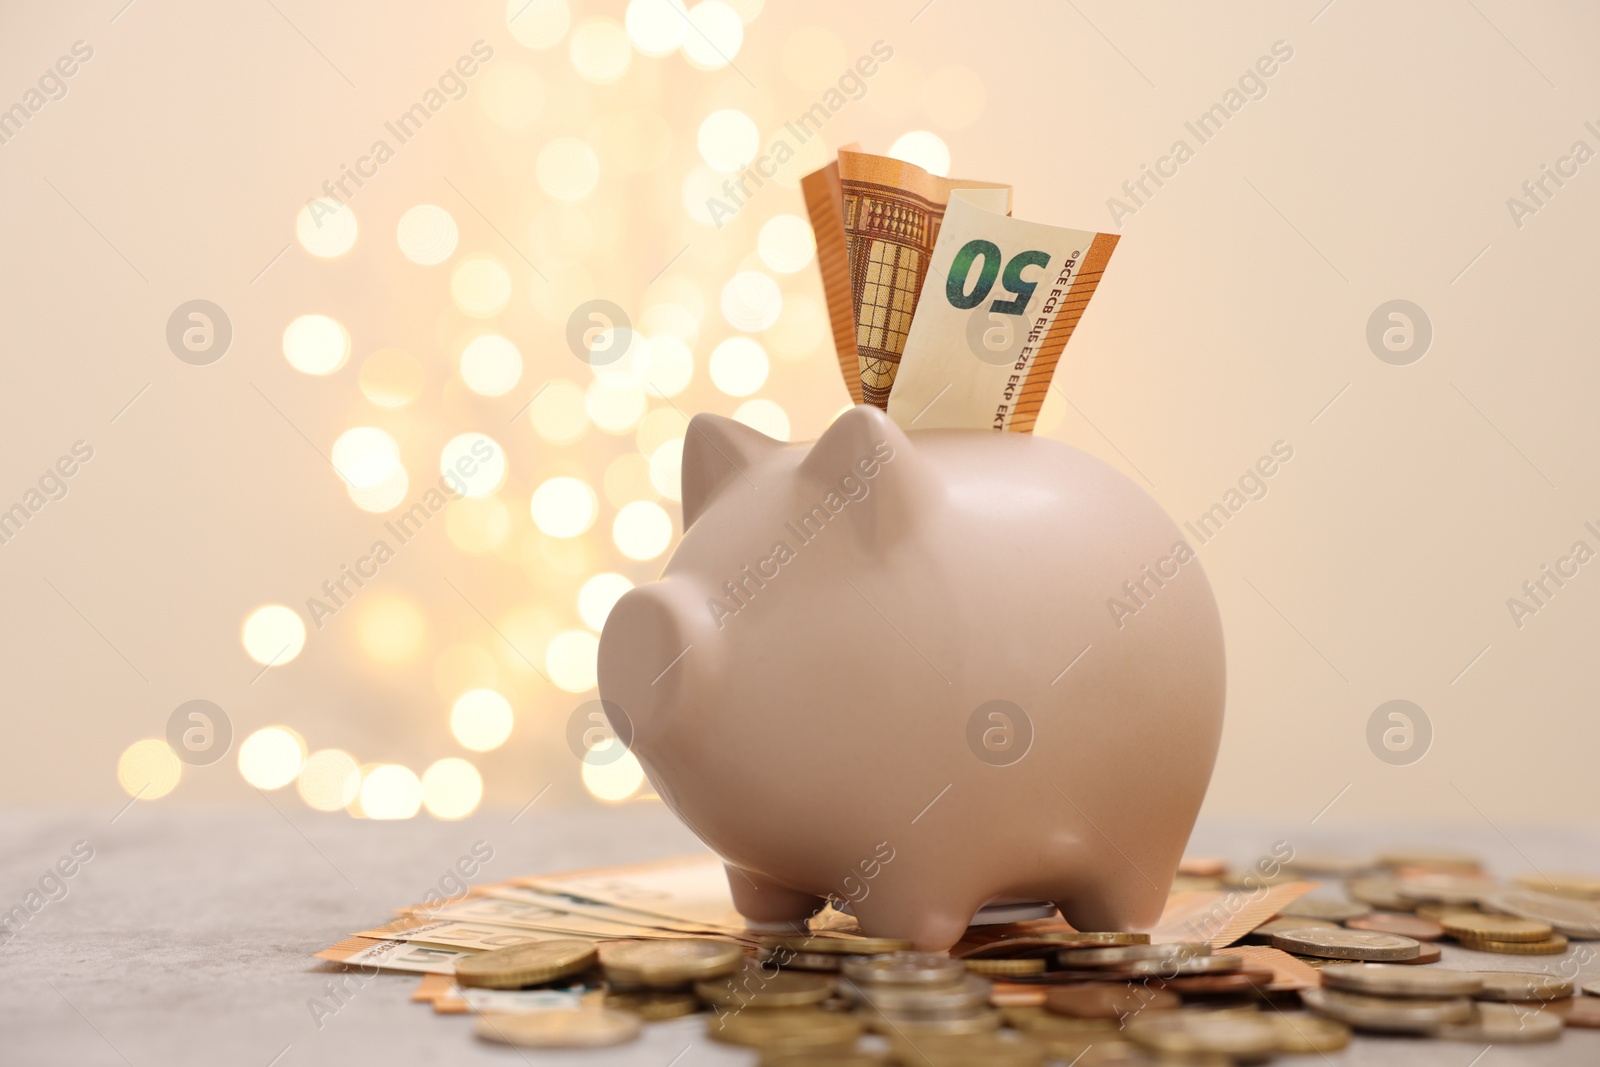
(1346,944)
(669,962)
(1415,1015)
(1445,889)
(1523,985)
(989,1049)
(1184,966)
(980,1021)
(1553,945)
(1505,1024)
(1380,893)
(1388,980)
(1581,886)
(837,946)
(1263,933)
(1574,918)
(1427,952)
(1387,922)
(1211,985)
(832,1058)
(1495,928)
(800,961)
(968,992)
(1593,989)
(523,965)
(1431,860)
(1118,956)
(1336,864)
(1437,912)
(1036,1020)
(1004,968)
(904,969)
(585,1028)
(761,986)
(1336,911)
(1580,1011)
(1309,1033)
(1108,1000)
(1241,1036)
(798,1030)
(653,1006)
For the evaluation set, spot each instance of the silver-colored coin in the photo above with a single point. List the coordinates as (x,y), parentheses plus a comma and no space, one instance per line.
(1347,944)
(971,991)
(1523,985)
(1112,957)
(1395,980)
(1415,1015)
(1505,1024)
(1337,911)
(1574,918)
(1185,966)
(904,969)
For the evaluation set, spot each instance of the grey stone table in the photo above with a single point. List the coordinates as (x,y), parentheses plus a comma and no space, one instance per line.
(187,938)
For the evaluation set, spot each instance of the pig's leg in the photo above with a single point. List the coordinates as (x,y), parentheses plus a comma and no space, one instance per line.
(1112,908)
(768,907)
(931,919)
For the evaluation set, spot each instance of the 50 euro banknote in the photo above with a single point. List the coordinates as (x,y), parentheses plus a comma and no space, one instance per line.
(999,301)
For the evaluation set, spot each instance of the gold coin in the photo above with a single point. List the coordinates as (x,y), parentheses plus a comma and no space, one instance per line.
(1309,1033)
(1039,1021)
(1336,911)
(1005,968)
(1523,985)
(904,969)
(1464,891)
(1388,980)
(1554,945)
(1574,918)
(1414,1015)
(836,946)
(1380,893)
(800,961)
(1240,1036)
(794,1030)
(821,1059)
(1581,886)
(1505,1024)
(759,986)
(966,1050)
(1347,944)
(1105,937)
(653,1006)
(1437,912)
(1117,956)
(669,962)
(534,963)
(983,1020)
(1432,860)
(1108,1000)
(585,1028)
(1494,928)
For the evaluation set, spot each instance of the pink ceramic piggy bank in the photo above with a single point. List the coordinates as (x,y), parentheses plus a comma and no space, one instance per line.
(923,673)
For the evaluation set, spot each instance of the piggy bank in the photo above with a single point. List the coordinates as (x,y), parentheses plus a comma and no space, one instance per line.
(917,674)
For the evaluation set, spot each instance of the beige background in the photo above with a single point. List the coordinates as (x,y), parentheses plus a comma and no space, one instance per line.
(1376,167)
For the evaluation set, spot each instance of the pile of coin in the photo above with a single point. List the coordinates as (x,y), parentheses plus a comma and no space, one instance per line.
(1036,992)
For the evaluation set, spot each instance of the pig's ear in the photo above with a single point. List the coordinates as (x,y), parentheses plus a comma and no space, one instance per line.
(716,451)
(864,449)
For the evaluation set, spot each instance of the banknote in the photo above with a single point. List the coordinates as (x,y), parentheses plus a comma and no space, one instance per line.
(1001,298)
(473,936)
(501,911)
(447,998)
(686,889)
(825,206)
(392,955)
(891,212)
(1222,916)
